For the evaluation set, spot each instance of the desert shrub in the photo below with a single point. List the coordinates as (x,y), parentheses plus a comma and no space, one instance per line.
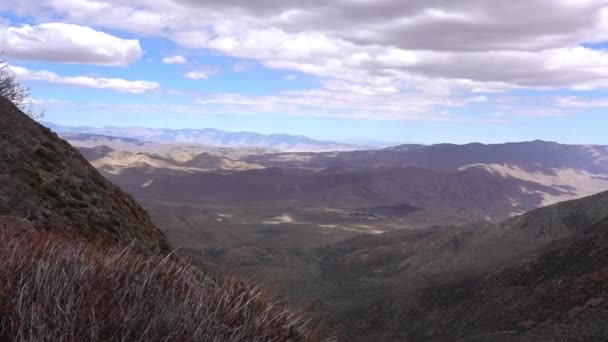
(13,91)
(57,288)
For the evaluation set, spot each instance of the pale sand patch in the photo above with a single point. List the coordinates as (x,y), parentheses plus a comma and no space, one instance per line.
(285,218)
(358,229)
(518,213)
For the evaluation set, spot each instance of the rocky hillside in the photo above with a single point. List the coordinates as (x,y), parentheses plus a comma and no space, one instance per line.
(46,182)
(538,277)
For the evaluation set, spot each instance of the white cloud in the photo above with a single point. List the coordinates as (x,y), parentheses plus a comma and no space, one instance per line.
(116,84)
(177,59)
(414,56)
(202,73)
(68,43)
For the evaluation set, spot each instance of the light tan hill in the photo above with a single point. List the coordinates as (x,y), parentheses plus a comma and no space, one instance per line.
(178,159)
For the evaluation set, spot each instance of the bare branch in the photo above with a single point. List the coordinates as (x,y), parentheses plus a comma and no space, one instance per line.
(11,90)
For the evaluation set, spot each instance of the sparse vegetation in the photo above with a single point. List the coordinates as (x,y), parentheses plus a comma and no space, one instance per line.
(44,179)
(54,288)
(13,91)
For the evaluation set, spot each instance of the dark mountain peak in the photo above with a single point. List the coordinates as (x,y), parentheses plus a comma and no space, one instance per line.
(46,182)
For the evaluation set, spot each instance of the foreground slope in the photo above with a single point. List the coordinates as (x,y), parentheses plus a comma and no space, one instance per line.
(46,182)
(54,288)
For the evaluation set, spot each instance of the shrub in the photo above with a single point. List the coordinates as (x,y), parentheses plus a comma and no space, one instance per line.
(13,91)
(56,288)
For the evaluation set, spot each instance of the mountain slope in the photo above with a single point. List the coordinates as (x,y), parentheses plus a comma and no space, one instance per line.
(549,283)
(531,156)
(60,289)
(45,181)
(108,160)
(573,171)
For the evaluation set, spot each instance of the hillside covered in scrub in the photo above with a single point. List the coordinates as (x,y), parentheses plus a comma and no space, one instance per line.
(80,260)
(46,182)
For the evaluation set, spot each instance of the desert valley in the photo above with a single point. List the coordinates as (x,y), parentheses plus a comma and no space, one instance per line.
(363,236)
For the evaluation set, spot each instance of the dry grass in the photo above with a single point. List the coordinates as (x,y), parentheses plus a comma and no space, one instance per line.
(53,288)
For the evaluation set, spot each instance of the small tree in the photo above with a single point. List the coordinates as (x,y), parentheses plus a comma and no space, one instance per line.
(11,90)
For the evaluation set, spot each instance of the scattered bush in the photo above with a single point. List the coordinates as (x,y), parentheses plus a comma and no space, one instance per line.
(13,91)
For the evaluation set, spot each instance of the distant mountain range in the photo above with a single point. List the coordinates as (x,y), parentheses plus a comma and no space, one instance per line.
(207,137)
(482,182)
(532,156)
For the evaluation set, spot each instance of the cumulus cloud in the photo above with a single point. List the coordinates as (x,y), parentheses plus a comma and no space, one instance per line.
(177,59)
(505,43)
(68,43)
(116,84)
(404,52)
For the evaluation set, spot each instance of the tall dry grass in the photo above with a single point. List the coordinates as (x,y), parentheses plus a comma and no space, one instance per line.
(55,288)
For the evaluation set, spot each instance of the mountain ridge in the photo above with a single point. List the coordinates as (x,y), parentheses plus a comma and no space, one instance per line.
(211,137)
(527,154)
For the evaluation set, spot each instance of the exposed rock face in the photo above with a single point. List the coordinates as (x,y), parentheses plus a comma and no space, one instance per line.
(46,182)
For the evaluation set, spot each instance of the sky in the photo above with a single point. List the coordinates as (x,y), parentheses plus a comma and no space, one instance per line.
(394,71)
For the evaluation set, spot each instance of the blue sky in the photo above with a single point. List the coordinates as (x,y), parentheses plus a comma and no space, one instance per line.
(402,74)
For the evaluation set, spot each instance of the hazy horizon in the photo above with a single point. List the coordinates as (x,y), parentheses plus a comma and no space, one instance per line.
(354,141)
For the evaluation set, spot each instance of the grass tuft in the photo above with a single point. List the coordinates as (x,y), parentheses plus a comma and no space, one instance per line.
(56,288)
